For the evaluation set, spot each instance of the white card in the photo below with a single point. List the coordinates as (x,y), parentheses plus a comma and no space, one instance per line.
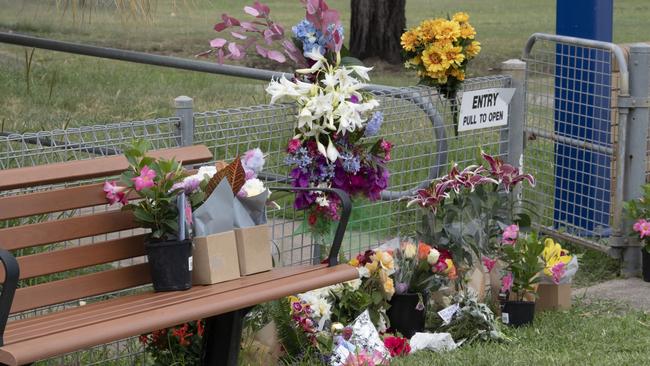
(448,313)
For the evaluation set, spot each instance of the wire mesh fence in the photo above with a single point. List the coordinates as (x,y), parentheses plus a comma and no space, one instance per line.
(417,121)
(571,129)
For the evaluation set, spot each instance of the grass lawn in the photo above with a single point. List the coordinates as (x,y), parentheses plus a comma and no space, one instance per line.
(596,334)
(63,90)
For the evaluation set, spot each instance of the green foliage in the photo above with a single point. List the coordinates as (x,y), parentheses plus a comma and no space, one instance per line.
(523,260)
(292,339)
(178,346)
(349,303)
(639,209)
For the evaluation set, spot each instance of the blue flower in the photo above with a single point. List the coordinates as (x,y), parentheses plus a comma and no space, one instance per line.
(326,172)
(351,163)
(311,38)
(301,158)
(373,126)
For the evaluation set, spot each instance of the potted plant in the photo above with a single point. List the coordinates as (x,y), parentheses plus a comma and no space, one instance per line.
(639,211)
(420,269)
(521,258)
(157,183)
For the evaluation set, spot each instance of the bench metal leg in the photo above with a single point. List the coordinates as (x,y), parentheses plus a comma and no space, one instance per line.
(222,338)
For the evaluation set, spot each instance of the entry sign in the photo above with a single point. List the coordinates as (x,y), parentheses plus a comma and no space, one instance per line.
(484,108)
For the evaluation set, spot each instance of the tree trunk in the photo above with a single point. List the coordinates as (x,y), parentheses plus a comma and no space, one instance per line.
(376,28)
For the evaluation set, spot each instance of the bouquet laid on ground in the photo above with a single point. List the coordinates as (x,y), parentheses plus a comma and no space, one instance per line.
(559,265)
(466,210)
(421,268)
(521,255)
(440,49)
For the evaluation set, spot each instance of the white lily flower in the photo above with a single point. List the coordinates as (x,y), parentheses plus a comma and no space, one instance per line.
(332,152)
(362,71)
(321,148)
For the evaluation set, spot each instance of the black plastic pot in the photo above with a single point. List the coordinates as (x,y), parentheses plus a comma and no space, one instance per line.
(404,316)
(645,262)
(169,262)
(518,313)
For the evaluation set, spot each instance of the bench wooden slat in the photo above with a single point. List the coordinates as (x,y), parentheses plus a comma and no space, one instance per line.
(57,200)
(116,308)
(48,232)
(92,168)
(79,287)
(99,331)
(79,257)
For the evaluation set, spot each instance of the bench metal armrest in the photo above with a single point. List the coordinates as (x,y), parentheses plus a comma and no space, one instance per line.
(346,209)
(12,273)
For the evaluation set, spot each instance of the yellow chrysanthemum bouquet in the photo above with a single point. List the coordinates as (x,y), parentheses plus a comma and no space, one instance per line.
(439,49)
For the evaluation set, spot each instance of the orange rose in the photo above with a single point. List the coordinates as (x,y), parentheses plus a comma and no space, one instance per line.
(423,250)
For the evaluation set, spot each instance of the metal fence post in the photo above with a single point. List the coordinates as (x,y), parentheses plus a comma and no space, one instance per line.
(637,143)
(516,69)
(185,111)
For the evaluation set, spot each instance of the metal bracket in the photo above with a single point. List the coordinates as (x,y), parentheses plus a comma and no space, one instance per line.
(632,102)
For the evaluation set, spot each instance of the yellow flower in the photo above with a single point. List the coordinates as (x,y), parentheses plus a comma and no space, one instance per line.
(434,59)
(473,49)
(440,77)
(384,258)
(454,54)
(448,30)
(410,250)
(552,255)
(389,286)
(467,31)
(461,17)
(354,262)
(430,29)
(458,74)
(372,266)
(409,41)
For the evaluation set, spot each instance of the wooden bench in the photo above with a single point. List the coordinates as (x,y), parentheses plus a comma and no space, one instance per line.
(112,318)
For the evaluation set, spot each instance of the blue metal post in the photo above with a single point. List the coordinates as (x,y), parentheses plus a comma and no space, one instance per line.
(582,111)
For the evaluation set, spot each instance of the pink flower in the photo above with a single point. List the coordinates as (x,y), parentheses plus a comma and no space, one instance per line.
(558,271)
(506,282)
(489,263)
(363,358)
(510,234)
(294,145)
(387,146)
(145,179)
(642,226)
(115,193)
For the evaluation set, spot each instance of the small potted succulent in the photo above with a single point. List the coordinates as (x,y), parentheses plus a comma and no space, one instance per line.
(420,269)
(156,184)
(520,255)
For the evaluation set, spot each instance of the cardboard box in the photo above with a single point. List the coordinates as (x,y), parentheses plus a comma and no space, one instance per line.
(553,297)
(253,249)
(215,258)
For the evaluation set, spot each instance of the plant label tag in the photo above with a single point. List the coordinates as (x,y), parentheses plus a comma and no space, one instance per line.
(484,108)
(505,318)
(448,313)
(190,262)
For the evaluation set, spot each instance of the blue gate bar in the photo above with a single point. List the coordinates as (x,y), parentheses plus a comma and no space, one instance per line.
(582,112)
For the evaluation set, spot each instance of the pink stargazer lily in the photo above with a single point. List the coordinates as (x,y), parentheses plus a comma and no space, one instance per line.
(489,263)
(506,282)
(145,179)
(510,234)
(505,173)
(115,193)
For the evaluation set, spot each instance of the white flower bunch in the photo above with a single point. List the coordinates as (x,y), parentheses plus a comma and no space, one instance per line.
(332,105)
(320,304)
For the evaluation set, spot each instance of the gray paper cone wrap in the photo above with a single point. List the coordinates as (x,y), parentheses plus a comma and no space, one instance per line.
(254,208)
(216,214)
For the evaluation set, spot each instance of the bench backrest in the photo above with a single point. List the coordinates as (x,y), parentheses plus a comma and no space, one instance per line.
(50,232)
